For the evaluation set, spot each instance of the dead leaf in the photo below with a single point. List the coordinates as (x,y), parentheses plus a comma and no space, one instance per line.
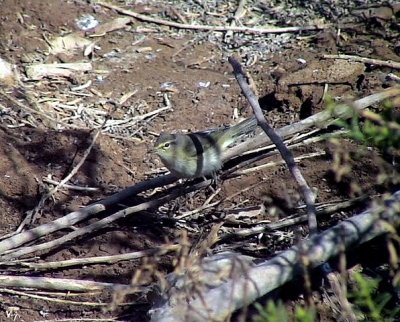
(115,24)
(68,44)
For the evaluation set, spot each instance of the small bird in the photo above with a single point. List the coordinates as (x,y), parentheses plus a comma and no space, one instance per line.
(199,154)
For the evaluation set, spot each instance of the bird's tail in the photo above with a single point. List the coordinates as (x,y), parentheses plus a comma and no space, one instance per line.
(233,133)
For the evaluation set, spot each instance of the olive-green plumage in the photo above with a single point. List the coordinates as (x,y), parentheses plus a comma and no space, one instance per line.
(199,154)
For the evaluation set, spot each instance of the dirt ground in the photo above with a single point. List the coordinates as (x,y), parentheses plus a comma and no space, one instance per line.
(185,78)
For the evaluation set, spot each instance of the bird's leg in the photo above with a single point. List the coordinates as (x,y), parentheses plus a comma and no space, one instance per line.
(215,181)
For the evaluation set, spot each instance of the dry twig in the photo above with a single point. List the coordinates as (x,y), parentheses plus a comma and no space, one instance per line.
(162,250)
(53,299)
(70,186)
(249,30)
(273,164)
(60,284)
(365,60)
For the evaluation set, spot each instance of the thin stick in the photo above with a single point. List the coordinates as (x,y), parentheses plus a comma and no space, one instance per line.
(276,139)
(60,284)
(274,164)
(52,299)
(101,259)
(197,210)
(258,31)
(365,60)
(71,186)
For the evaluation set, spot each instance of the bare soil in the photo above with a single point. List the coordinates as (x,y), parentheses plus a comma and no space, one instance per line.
(289,73)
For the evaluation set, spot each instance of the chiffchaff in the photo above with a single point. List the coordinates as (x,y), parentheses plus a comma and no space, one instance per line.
(199,154)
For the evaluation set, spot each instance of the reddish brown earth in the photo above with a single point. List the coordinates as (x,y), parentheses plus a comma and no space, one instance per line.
(290,90)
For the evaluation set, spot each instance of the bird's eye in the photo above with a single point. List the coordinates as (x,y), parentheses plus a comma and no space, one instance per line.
(166,145)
